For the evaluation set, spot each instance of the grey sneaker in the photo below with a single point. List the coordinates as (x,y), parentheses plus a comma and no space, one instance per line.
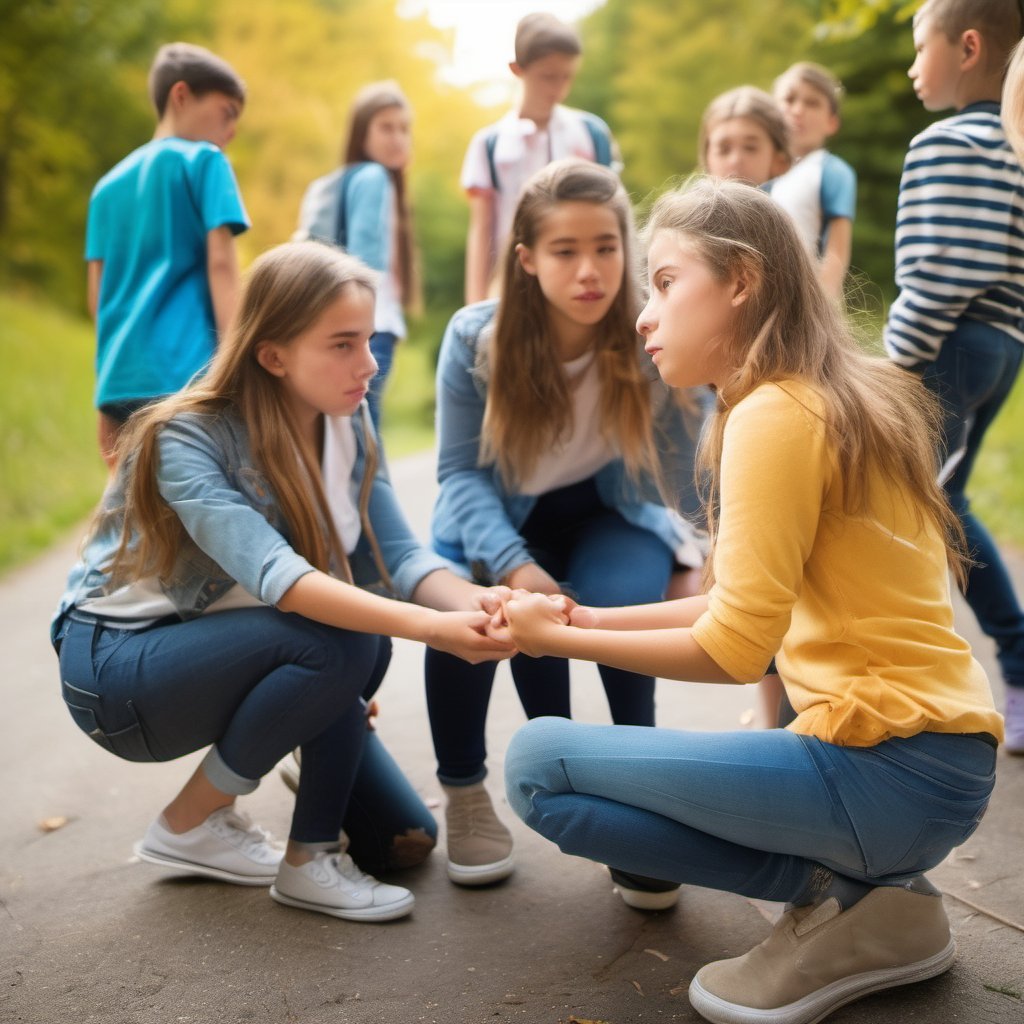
(227,846)
(1015,719)
(819,958)
(479,845)
(332,884)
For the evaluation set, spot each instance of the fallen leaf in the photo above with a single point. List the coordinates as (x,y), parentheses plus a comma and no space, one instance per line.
(637,986)
(52,824)
(678,990)
(655,952)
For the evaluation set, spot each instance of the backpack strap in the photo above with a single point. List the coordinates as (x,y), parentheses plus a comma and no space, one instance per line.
(490,142)
(600,136)
(341,226)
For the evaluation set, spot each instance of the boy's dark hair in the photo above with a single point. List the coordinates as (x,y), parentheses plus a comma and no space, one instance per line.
(201,70)
(538,35)
(999,22)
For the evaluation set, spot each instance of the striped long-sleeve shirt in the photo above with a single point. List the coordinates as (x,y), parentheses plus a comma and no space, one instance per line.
(959,236)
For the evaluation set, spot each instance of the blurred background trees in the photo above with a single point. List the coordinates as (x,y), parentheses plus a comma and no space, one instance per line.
(73,102)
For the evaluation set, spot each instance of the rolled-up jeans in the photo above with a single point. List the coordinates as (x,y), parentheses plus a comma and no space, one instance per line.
(255,683)
(748,812)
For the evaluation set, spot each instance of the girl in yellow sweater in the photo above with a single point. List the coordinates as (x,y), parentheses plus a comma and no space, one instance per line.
(832,545)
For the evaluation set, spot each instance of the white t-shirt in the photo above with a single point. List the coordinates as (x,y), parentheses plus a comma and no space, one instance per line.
(586,450)
(520,150)
(816,189)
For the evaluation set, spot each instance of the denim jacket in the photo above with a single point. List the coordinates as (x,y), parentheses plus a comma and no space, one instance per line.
(476,519)
(236,532)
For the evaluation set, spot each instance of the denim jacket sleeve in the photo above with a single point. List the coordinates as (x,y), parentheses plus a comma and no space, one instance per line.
(471,519)
(405,558)
(225,508)
(368,215)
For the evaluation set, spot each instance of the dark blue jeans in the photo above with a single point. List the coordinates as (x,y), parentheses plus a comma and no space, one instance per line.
(973,375)
(382,345)
(601,560)
(256,683)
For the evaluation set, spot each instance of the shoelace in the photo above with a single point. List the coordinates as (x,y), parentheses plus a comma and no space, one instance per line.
(347,868)
(240,829)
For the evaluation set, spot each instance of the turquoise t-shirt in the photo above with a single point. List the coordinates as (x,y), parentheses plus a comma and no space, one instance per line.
(148,222)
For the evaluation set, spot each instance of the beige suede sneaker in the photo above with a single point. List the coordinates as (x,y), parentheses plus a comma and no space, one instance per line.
(820,957)
(479,845)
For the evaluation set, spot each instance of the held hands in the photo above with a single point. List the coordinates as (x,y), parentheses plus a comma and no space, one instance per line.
(533,621)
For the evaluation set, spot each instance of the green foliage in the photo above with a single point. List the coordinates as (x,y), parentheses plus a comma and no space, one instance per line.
(72,103)
(49,462)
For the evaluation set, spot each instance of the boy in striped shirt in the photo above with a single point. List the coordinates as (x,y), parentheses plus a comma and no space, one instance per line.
(960,271)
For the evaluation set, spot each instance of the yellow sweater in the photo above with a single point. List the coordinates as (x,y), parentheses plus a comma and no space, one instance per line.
(856,609)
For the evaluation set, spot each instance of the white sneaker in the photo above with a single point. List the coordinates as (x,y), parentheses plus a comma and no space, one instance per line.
(227,846)
(644,893)
(332,884)
(1014,719)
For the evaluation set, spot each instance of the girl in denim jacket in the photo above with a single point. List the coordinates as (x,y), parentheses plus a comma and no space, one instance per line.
(254,493)
(551,443)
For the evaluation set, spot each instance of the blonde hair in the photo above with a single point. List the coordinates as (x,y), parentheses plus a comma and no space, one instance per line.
(1013,102)
(817,77)
(877,415)
(368,102)
(743,101)
(528,403)
(286,291)
(998,22)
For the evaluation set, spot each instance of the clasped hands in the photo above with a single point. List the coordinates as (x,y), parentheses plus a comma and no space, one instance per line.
(529,620)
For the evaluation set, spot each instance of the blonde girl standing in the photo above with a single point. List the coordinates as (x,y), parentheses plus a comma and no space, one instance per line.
(831,547)
(549,429)
(743,136)
(219,600)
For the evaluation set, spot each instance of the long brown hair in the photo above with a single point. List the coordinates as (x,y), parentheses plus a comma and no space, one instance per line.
(286,290)
(877,415)
(528,403)
(368,102)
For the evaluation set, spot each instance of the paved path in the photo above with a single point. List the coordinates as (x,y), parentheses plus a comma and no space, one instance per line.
(87,934)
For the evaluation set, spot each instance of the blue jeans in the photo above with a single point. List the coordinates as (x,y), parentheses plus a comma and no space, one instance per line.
(256,683)
(748,812)
(973,376)
(603,560)
(382,346)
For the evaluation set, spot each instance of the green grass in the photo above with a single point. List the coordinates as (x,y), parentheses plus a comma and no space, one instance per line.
(51,472)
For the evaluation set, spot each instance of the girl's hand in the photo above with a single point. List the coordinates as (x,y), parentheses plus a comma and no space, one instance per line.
(533,619)
(583,617)
(465,634)
(532,578)
(490,599)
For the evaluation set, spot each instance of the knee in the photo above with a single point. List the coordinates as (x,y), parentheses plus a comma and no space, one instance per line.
(533,762)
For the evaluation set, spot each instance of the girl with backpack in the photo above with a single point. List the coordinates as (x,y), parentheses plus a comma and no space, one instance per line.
(363,207)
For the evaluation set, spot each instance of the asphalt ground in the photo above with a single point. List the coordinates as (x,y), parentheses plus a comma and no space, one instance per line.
(89,934)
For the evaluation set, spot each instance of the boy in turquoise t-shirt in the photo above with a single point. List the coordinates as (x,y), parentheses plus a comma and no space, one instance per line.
(162,268)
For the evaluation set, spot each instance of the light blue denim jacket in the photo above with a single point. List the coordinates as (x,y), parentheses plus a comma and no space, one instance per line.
(236,531)
(476,520)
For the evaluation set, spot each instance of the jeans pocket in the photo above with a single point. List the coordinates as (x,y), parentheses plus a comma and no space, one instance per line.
(120,733)
(931,846)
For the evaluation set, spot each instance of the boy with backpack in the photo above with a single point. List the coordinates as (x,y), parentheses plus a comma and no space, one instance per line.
(503,156)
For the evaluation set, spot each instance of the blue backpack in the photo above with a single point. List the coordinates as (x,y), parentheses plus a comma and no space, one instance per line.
(600,136)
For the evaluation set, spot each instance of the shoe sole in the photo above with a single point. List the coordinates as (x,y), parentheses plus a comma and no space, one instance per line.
(165,860)
(389,913)
(480,874)
(818,1005)
(638,899)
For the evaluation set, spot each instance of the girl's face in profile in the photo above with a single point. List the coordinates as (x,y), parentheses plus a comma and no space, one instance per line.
(741,148)
(328,367)
(689,316)
(389,138)
(578,261)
